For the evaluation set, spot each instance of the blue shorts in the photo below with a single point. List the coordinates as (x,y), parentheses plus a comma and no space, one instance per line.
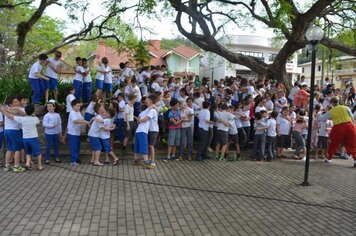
(141,143)
(95,143)
(88,116)
(106,145)
(99,84)
(13,139)
(53,83)
(32,146)
(1,137)
(107,87)
(44,84)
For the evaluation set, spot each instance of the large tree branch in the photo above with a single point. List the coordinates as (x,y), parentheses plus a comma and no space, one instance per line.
(315,10)
(8,5)
(339,46)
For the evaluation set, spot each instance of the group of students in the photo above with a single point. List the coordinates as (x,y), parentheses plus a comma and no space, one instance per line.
(149,106)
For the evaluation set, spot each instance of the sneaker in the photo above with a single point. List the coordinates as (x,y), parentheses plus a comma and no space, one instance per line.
(136,162)
(180,159)
(46,162)
(210,150)
(327,161)
(190,158)
(7,168)
(74,163)
(18,169)
(58,161)
(153,164)
(147,164)
(27,168)
(79,162)
(234,158)
(167,159)
(217,157)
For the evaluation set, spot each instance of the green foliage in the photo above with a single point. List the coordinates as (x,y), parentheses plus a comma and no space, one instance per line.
(45,33)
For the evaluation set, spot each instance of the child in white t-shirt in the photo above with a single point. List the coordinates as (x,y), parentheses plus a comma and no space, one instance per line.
(30,135)
(324,128)
(75,121)
(105,136)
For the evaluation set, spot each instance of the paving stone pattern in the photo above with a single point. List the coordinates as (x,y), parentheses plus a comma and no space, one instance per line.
(180,198)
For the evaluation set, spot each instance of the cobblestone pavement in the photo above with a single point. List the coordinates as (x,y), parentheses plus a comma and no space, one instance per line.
(180,198)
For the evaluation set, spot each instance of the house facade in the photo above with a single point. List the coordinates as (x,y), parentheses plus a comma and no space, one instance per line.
(340,71)
(180,61)
(217,67)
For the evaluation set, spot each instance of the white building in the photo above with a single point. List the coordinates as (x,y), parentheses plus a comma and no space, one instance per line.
(217,67)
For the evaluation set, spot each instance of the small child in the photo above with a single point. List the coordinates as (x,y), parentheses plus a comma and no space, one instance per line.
(87,81)
(175,125)
(153,133)
(120,121)
(233,135)
(70,97)
(52,124)
(89,111)
(130,124)
(75,121)
(283,122)
(105,137)
(30,135)
(94,134)
(141,135)
(224,119)
(259,141)
(245,120)
(203,132)
(78,78)
(186,138)
(297,130)
(271,136)
(324,128)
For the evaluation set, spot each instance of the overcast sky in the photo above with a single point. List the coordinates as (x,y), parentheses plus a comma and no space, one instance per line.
(166,29)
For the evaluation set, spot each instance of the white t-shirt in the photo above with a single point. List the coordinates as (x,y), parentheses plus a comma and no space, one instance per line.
(156,87)
(69,100)
(284,125)
(227,117)
(49,71)
(36,67)
(133,90)
(121,114)
(86,78)
(199,102)
(323,126)
(259,109)
(232,127)
(204,115)
(145,126)
(28,124)
(188,112)
(269,105)
(293,91)
(99,75)
(52,123)
(74,129)
(90,108)
(129,110)
(126,72)
(272,127)
(95,127)
(10,124)
(104,134)
(108,78)
(154,122)
(78,73)
(1,120)
(245,123)
(238,121)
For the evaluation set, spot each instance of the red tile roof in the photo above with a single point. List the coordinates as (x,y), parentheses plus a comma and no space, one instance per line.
(186,51)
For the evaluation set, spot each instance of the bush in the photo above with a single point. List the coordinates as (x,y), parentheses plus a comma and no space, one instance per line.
(10,86)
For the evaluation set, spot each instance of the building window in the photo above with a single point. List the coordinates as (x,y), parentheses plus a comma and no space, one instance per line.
(272,57)
(319,68)
(259,55)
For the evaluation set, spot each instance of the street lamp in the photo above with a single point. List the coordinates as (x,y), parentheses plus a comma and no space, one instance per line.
(314,34)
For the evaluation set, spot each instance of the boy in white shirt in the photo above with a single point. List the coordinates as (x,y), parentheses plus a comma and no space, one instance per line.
(87,85)
(141,135)
(78,78)
(153,132)
(224,120)
(105,137)
(271,137)
(129,118)
(101,71)
(120,122)
(283,122)
(52,74)
(36,79)
(203,132)
(186,135)
(233,135)
(324,128)
(30,135)
(75,121)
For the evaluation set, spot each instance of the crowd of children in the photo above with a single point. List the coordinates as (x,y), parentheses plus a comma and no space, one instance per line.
(149,106)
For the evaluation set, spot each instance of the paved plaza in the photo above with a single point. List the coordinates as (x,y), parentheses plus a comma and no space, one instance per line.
(181,198)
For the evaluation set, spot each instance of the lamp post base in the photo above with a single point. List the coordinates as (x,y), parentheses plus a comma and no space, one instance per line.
(305,184)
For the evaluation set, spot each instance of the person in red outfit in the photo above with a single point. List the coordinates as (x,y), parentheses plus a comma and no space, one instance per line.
(301,97)
(343,131)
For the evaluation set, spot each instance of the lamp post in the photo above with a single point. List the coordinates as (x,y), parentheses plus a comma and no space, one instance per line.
(314,34)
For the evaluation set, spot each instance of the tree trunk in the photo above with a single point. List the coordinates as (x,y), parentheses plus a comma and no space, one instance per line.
(22,30)
(278,72)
